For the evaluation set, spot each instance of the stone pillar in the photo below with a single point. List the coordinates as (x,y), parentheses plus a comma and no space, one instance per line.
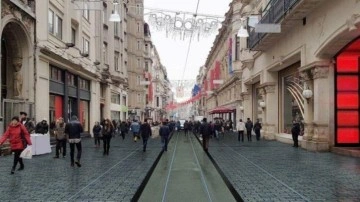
(270,111)
(317,108)
(247,113)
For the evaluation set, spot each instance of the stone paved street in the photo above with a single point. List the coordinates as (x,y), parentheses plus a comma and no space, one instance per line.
(273,171)
(101,178)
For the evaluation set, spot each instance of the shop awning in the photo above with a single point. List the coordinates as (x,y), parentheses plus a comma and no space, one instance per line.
(221,110)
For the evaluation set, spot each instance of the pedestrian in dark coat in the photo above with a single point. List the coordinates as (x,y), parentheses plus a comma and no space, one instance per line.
(74,129)
(249,127)
(27,122)
(19,137)
(60,136)
(107,132)
(145,130)
(205,131)
(257,128)
(295,131)
(164,133)
(97,133)
(123,129)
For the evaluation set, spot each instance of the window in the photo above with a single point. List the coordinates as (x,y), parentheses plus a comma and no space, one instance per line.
(55,24)
(138,80)
(86,45)
(138,98)
(56,74)
(105,53)
(115,98)
(73,35)
(71,80)
(139,63)
(146,66)
(157,101)
(116,61)
(116,29)
(123,100)
(237,48)
(115,115)
(146,48)
(104,14)
(157,89)
(138,27)
(84,84)
(137,9)
(138,45)
(121,60)
(86,12)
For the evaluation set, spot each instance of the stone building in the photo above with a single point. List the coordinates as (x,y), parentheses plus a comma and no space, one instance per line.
(309,72)
(18,42)
(136,59)
(69,60)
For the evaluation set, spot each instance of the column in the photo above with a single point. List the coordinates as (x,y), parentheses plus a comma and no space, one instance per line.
(271,110)
(308,107)
(247,112)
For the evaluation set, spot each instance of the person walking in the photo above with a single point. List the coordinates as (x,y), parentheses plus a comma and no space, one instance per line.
(27,122)
(249,127)
(123,129)
(107,132)
(74,129)
(60,137)
(135,128)
(295,131)
(97,134)
(164,133)
(257,128)
(205,131)
(19,138)
(145,130)
(186,127)
(240,127)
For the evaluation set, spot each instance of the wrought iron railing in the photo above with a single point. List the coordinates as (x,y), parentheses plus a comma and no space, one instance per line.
(274,13)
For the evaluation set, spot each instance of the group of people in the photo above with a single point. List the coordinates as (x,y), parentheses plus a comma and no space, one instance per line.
(241,127)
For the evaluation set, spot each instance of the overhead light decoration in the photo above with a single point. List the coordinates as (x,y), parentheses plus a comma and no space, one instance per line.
(115,16)
(182,25)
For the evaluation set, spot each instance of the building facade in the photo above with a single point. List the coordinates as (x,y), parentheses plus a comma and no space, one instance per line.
(308,73)
(136,59)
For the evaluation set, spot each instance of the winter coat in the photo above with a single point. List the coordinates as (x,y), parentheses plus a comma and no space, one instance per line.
(107,131)
(205,130)
(96,130)
(295,130)
(164,131)
(135,127)
(249,125)
(240,126)
(13,133)
(257,126)
(145,130)
(42,128)
(60,132)
(74,129)
(29,125)
(124,127)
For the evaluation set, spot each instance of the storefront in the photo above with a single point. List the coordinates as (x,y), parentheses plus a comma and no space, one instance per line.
(347,96)
(69,95)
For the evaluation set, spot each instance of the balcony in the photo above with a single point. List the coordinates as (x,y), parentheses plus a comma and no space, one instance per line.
(284,12)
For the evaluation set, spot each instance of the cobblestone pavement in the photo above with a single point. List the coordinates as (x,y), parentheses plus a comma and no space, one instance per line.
(101,178)
(273,171)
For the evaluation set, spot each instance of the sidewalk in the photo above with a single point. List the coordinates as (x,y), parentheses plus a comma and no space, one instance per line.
(101,178)
(185,173)
(274,171)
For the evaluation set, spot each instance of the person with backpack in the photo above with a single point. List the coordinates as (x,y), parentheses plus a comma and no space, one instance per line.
(60,137)
(257,128)
(205,131)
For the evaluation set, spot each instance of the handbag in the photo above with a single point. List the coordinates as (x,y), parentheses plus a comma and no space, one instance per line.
(26,153)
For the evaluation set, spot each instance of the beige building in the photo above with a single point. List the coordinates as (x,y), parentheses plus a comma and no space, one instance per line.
(64,58)
(308,73)
(136,59)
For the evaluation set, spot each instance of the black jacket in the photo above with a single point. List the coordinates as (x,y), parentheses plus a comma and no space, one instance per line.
(42,127)
(145,130)
(205,130)
(29,125)
(108,132)
(74,129)
(164,131)
(249,125)
(96,130)
(295,130)
(257,126)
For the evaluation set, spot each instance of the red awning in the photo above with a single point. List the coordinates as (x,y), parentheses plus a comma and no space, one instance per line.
(221,110)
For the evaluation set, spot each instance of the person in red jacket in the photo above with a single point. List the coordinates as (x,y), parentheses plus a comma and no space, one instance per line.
(13,133)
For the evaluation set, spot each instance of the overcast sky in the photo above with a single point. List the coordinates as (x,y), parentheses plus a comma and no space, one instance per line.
(173,52)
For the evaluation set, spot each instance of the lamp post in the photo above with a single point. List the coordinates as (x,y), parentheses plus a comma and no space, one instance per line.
(115,16)
(307,93)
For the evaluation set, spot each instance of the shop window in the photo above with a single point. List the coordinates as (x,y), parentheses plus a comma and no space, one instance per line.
(56,74)
(115,98)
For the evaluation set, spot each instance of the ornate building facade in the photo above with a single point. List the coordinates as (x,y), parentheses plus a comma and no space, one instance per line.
(309,72)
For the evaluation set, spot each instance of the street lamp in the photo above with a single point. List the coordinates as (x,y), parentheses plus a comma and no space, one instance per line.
(307,93)
(262,104)
(115,17)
